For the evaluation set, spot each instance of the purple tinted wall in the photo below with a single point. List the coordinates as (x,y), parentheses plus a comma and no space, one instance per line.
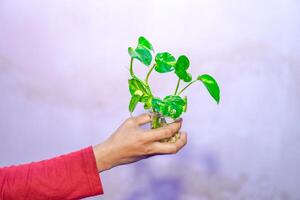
(63,86)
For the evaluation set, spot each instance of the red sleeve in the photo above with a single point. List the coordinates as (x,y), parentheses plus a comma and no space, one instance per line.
(70,176)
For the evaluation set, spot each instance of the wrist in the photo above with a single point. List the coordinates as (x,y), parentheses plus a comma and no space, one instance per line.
(102,157)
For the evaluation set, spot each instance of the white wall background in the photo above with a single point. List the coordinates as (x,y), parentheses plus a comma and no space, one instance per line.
(63,86)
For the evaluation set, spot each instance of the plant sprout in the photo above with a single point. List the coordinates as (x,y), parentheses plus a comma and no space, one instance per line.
(172,105)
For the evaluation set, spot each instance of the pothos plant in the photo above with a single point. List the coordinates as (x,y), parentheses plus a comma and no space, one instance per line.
(173,105)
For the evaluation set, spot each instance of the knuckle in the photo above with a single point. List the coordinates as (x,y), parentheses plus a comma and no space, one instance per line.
(146,116)
(168,132)
(148,150)
(130,121)
(174,127)
(141,140)
(177,125)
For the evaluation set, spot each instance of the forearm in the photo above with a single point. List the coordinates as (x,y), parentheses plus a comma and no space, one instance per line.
(70,176)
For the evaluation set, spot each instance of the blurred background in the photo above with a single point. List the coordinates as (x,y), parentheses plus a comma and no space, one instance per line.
(63,85)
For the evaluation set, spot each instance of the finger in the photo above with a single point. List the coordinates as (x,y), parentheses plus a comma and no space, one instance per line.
(170,148)
(163,132)
(142,119)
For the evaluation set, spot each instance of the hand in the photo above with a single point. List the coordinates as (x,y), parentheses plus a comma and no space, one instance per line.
(130,143)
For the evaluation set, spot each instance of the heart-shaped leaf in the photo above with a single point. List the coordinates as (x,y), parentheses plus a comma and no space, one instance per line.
(182,65)
(139,89)
(174,99)
(175,106)
(187,77)
(158,104)
(136,87)
(211,85)
(184,75)
(165,62)
(142,54)
(143,42)
(171,106)
(133,102)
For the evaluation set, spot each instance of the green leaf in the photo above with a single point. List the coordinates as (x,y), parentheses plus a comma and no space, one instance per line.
(211,85)
(185,103)
(158,104)
(175,106)
(140,92)
(143,42)
(133,102)
(165,62)
(138,87)
(148,103)
(182,63)
(183,75)
(171,106)
(187,77)
(142,54)
(174,99)
(132,53)
(174,111)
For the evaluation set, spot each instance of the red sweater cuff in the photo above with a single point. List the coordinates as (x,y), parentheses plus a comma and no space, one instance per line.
(92,171)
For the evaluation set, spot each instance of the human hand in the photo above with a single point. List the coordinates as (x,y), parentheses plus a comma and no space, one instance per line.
(130,143)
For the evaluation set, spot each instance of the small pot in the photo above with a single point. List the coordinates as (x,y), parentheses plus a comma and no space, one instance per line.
(158,120)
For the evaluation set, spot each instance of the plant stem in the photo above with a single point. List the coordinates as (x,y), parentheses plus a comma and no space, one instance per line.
(155,122)
(131,71)
(187,86)
(148,74)
(177,86)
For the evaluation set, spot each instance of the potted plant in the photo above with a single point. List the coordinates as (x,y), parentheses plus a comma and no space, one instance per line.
(167,109)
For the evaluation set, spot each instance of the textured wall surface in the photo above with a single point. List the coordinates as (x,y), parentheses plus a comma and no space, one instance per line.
(63,85)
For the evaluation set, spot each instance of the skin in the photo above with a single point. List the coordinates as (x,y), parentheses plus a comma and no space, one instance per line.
(130,143)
